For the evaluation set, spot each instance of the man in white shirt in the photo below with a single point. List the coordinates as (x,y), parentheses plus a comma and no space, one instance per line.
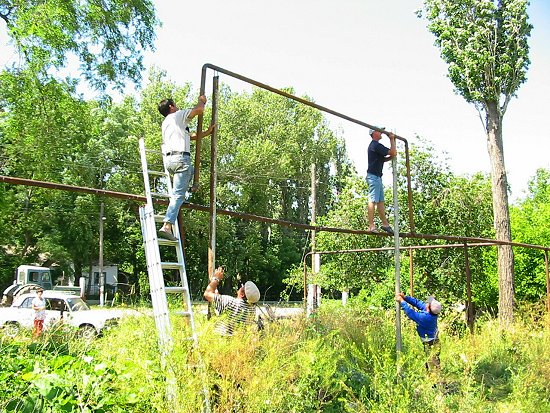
(176,141)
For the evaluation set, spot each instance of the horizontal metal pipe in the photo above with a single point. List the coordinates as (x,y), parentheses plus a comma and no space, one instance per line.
(252,217)
(406,247)
(313,105)
(289,96)
(72,188)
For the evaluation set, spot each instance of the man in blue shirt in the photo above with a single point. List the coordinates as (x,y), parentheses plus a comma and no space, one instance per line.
(426,323)
(377,155)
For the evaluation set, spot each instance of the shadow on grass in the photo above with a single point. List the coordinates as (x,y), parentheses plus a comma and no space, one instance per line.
(494,376)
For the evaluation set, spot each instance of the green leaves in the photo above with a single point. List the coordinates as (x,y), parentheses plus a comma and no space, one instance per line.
(485,45)
(107,37)
(529,225)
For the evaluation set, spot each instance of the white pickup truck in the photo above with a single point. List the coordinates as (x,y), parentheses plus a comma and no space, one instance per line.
(60,306)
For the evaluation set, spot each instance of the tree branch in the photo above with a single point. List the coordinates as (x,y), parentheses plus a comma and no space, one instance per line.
(5,16)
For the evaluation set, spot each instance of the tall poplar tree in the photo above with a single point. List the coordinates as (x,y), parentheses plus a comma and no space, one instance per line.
(485,45)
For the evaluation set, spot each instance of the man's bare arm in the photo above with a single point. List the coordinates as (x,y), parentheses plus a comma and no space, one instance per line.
(199,108)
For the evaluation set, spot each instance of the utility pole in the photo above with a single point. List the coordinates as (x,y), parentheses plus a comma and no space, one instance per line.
(314,291)
(101,276)
(314,267)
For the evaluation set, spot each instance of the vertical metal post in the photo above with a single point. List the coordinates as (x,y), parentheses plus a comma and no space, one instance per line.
(409,188)
(101,276)
(547,281)
(398,343)
(213,178)
(411,272)
(305,279)
(198,142)
(469,304)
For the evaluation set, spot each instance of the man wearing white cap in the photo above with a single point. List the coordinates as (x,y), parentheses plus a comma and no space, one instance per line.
(377,155)
(236,310)
(426,323)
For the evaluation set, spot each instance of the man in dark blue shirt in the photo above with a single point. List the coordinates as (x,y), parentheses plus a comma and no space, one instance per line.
(377,155)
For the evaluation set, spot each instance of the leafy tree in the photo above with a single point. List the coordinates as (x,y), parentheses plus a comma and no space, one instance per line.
(41,136)
(94,144)
(107,37)
(443,204)
(446,204)
(53,136)
(266,145)
(530,225)
(485,44)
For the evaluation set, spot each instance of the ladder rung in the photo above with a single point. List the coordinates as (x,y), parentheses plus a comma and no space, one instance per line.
(148,150)
(157,173)
(171,265)
(183,313)
(160,195)
(175,290)
(159,218)
(167,242)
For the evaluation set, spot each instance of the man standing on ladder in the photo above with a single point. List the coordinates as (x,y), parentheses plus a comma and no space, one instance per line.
(176,144)
(377,155)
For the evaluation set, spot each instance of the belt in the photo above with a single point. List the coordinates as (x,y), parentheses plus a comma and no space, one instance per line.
(177,153)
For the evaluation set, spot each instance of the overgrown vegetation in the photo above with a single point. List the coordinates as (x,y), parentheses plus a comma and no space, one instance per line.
(342,359)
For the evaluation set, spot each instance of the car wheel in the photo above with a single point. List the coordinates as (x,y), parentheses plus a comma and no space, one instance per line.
(87,332)
(11,329)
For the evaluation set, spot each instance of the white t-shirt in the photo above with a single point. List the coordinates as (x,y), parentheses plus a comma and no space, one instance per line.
(41,303)
(174,135)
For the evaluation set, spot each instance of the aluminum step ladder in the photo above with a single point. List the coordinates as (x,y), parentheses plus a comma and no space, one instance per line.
(156,266)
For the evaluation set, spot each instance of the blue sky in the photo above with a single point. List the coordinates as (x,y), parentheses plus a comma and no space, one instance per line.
(370,59)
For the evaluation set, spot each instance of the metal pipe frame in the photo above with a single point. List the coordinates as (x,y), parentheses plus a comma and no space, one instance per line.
(258,218)
(470,316)
(142,199)
(306,102)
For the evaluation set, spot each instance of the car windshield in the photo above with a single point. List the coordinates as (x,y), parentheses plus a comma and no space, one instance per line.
(76,304)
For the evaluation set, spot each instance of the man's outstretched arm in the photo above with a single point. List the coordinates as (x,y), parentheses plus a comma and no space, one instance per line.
(212,286)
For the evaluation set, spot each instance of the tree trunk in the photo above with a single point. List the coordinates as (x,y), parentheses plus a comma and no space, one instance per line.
(501,215)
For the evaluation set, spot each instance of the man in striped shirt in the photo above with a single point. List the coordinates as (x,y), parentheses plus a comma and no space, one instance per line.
(233,310)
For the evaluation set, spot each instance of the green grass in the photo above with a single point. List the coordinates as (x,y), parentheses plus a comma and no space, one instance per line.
(339,360)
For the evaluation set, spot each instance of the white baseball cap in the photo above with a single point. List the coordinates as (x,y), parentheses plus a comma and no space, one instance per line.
(371,131)
(251,292)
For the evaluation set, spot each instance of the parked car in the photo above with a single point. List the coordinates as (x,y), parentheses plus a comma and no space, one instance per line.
(60,307)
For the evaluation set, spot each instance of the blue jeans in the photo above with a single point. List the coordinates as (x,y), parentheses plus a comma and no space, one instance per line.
(376,188)
(182,170)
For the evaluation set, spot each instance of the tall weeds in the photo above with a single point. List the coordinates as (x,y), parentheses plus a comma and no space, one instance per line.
(342,359)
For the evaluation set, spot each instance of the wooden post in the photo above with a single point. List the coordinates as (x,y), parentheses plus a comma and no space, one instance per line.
(101,276)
